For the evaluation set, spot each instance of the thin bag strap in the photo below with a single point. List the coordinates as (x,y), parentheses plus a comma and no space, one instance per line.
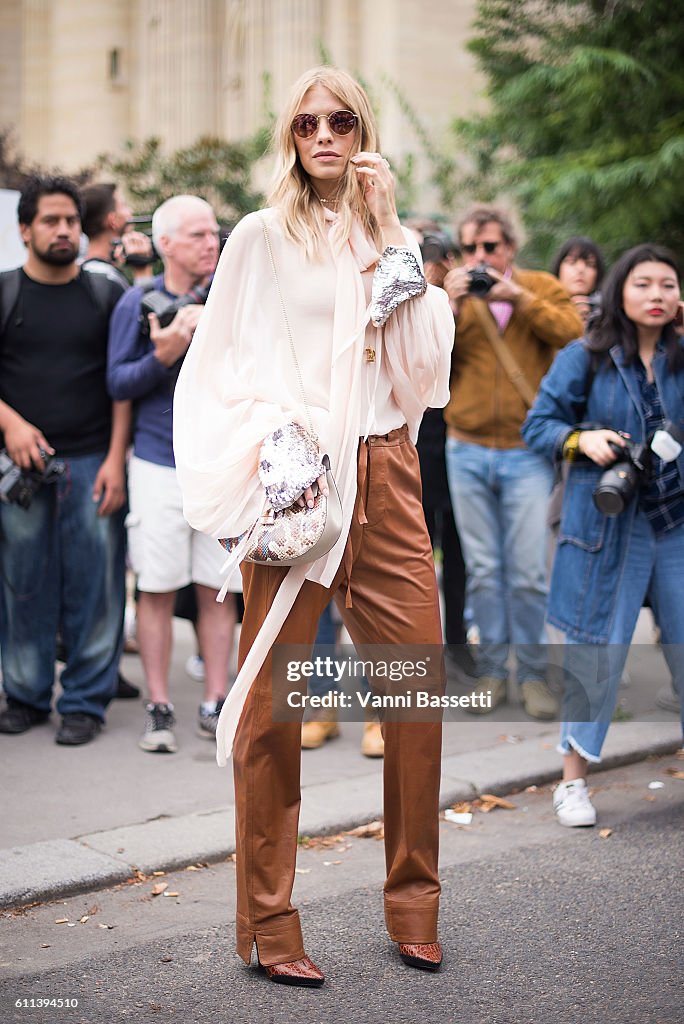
(287,323)
(503,354)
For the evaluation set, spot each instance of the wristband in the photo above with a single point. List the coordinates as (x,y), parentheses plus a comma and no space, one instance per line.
(571,446)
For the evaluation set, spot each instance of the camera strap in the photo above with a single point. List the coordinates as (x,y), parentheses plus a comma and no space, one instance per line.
(503,353)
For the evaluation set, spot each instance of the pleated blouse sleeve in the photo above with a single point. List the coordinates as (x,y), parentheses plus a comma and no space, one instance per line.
(226,400)
(418,339)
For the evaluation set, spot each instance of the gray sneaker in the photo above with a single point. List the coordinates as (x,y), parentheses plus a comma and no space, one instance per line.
(667,699)
(158,736)
(208,719)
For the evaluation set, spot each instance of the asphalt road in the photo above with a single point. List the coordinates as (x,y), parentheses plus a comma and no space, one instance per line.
(541,925)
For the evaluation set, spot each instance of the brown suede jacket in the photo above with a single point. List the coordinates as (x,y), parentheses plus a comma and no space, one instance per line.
(484,407)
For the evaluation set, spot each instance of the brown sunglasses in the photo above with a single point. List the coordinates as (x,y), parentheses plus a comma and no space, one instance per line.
(340,122)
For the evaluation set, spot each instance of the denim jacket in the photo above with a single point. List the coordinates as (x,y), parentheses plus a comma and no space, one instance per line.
(585,582)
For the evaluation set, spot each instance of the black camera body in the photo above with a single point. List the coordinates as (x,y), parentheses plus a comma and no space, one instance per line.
(480,281)
(619,482)
(19,486)
(165,308)
(436,247)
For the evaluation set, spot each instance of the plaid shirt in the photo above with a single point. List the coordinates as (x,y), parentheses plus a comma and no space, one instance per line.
(661,496)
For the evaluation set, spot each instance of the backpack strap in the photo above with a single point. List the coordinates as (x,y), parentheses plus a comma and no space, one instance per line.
(10,286)
(104,291)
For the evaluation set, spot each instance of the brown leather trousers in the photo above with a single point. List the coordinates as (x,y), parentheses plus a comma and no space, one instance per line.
(388,577)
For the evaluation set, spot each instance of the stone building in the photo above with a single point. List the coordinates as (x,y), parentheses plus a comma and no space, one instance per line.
(79,77)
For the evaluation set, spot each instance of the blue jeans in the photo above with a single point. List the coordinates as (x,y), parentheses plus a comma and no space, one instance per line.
(500,499)
(654,567)
(62,571)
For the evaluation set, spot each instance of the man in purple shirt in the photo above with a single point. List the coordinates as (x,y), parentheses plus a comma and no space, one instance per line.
(165,553)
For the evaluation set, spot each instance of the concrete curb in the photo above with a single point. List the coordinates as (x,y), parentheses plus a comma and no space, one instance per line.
(63,867)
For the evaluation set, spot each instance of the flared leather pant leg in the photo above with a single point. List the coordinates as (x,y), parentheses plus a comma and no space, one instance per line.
(388,575)
(395,601)
(266,769)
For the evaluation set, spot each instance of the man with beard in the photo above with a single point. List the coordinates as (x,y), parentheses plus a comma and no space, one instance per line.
(62,558)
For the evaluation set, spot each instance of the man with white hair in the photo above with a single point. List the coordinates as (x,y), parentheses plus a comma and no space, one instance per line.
(150,332)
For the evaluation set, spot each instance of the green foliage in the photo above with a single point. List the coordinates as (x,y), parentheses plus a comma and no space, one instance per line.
(216,170)
(586,126)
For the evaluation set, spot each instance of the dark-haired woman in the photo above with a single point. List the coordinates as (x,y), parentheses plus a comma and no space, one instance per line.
(579,267)
(625,380)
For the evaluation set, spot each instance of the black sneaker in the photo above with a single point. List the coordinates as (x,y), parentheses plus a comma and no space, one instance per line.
(18,717)
(77,728)
(208,720)
(125,690)
(158,736)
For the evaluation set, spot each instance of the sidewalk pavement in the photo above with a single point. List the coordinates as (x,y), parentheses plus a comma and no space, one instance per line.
(79,819)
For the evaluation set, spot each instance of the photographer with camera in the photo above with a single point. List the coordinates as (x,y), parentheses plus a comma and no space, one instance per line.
(612,405)
(112,242)
(509,325)
(62,483)
(151,331)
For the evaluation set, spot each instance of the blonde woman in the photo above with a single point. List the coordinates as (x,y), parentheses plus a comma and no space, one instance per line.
(341,257)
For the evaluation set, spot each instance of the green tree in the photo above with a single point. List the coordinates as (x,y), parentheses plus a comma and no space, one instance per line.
(218,171)
(585,130)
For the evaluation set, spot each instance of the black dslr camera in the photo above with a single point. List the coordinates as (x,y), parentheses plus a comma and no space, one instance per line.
(481,282)
(436,247)
(19,486)
(165,308)
(618,483)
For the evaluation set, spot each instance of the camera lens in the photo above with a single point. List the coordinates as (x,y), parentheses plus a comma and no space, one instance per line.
(615,489)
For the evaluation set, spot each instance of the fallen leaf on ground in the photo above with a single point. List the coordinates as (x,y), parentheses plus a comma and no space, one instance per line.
(462,807)
(651,799)
(676,773)
(82,920)
(605,832)
(62,920)
(371,830)
(489,802)
(93,910)
(159,888)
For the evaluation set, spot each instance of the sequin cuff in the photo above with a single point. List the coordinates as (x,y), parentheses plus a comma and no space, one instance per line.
(397,277)
(289,462)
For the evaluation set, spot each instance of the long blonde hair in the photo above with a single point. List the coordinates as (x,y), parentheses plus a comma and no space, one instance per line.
(293,192)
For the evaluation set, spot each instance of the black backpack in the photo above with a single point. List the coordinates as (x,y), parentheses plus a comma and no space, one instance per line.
(104,292)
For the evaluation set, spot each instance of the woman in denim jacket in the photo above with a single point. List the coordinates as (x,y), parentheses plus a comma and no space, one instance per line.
(604,392)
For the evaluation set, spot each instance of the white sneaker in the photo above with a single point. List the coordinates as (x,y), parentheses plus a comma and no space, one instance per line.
(194,666)
(572,805)
(158,737)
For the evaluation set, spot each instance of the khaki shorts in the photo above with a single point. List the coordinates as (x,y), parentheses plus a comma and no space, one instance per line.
(165,553)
